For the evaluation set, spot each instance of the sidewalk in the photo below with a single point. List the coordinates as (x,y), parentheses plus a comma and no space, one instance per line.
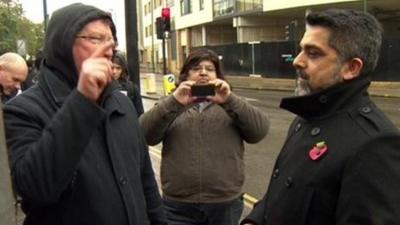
(377,88)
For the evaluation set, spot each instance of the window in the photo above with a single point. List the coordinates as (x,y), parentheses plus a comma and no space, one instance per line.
(186,7)
(170,3)
(201,4)
(248,5)
(225,7)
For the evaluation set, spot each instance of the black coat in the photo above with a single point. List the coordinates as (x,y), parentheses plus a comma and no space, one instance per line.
(132,91)
(75,162)
(356,181)
(79,163)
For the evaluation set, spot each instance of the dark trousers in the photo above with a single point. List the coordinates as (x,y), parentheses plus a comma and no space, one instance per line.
(226,213)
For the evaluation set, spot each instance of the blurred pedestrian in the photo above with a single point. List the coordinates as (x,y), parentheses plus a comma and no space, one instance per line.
(32,77)
(202,166)
(130,89)
(340,163)
(77,154)
(13,71)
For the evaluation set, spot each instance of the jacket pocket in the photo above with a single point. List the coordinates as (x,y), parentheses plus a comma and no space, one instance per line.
(291,207)
(322,208)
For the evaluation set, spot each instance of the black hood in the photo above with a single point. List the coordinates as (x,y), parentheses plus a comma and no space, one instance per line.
(121,56)
(64,25)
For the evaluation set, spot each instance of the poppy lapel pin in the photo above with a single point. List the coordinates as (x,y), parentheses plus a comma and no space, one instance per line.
(318,150)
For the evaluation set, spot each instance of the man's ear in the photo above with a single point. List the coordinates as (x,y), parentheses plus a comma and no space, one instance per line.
(352,68)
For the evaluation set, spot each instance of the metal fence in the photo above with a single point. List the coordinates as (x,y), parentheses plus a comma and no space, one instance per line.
(274,59)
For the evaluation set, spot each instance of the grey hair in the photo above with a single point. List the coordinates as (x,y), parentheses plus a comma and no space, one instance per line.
(354,34)
(9,58)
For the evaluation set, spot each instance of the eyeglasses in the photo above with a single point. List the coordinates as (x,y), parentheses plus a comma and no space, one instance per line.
(96,40)
(209,69)
(116,67)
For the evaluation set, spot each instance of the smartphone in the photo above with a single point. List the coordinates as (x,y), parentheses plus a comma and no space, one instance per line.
(202,90)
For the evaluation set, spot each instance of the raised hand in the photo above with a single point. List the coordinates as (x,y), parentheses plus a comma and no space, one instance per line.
(222,91)
(183,93)
(96,73)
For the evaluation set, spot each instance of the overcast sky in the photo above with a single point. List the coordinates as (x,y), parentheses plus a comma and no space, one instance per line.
(33,10)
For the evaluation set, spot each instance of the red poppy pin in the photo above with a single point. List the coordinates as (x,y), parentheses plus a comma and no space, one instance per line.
(318,150)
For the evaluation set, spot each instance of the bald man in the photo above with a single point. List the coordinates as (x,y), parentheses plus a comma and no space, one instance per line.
(13,71)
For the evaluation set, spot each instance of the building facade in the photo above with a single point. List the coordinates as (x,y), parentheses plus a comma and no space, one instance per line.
(242,24)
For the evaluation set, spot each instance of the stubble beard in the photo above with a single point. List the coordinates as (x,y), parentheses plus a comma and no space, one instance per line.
(302,84)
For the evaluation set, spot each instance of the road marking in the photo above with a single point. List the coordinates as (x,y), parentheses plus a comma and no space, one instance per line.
(252,99)
(249,200)
(156,152)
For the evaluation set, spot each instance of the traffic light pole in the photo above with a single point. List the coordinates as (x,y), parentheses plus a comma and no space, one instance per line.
(132,47)
(163,55)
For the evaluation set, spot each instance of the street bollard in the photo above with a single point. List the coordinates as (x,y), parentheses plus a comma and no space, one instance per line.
(169,84)
(151,83)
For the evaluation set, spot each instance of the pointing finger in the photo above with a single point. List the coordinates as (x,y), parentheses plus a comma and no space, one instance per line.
(99,52)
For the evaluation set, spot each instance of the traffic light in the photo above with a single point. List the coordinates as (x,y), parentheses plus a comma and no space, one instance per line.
(163,23)
(166,17)
(290,31)
(159,28)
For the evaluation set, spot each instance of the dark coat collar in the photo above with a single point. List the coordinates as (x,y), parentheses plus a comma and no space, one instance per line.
(324,103)
(55,88)
(58,91)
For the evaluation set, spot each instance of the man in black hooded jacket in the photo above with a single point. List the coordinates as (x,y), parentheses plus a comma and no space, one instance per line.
(76,150)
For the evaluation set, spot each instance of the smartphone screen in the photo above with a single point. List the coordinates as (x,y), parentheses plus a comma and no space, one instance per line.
(203,90)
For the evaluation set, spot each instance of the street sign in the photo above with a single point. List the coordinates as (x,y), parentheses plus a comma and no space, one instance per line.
(21,47)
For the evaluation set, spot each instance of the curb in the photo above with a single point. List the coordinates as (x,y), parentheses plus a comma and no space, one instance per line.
(384,89)
(370,92)
(152,97)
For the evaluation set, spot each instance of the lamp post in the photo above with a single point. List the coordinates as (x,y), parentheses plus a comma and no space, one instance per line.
(153,66)
(365,5)
(44,15)
(252,43)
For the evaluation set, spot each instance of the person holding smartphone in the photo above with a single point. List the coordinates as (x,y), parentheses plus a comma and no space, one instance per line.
(202,167)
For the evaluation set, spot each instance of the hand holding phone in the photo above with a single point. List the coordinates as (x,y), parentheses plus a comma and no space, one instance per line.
(203,90)
(222,91)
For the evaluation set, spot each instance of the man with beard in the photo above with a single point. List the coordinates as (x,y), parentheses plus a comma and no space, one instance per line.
(77,153)
(13,71)
(340,163)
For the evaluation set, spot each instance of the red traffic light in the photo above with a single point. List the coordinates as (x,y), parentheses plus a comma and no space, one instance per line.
(166,13)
